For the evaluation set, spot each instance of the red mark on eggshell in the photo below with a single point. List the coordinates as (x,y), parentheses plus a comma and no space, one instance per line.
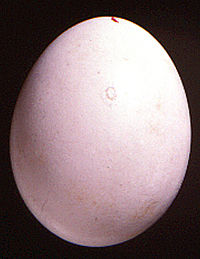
(114,20)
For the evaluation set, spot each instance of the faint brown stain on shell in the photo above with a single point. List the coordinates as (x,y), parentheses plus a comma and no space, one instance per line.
(19,148)
(134,234)
(94,203)
(154,129)
(125,58)
(147,209)
(41,157)
(111,93)
(158,106)
(109,96)
(79,194)
(79,197)
(45,202)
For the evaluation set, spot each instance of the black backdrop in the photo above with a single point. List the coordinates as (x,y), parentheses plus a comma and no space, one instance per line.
(28,28)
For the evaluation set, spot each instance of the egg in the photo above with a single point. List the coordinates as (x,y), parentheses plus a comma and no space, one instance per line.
(100,135)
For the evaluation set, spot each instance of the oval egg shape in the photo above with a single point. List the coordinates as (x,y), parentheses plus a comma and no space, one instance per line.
(100,136)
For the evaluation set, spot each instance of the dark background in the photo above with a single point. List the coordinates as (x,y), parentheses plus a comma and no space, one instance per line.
(28,28)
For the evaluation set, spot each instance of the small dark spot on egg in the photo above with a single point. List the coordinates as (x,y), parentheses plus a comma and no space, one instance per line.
(96,218)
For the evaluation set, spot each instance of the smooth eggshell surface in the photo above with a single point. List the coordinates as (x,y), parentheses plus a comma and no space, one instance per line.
(100,136)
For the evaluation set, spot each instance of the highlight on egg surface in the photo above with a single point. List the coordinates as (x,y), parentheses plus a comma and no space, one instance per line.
(100,136)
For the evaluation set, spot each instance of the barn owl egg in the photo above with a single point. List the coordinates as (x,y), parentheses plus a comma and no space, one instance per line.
(100,136)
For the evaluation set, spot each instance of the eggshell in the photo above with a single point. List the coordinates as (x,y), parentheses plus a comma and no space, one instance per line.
(100,137)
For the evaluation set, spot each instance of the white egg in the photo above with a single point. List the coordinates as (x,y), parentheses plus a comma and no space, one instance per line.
(100,137)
